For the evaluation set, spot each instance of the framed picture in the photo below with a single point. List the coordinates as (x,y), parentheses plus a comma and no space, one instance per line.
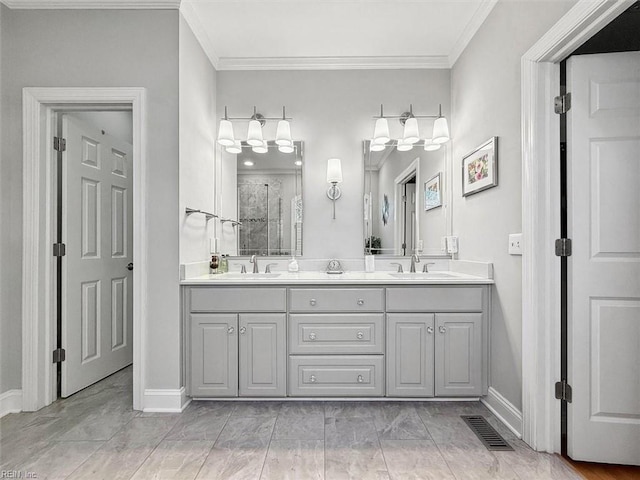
(480,168)
(433,192)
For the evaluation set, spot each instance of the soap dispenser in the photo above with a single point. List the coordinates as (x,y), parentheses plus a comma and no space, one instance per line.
(293,265)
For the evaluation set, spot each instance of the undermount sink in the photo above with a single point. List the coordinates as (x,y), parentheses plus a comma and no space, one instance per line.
(247,276)
(422,275)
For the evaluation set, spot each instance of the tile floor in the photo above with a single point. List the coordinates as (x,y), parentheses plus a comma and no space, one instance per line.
(96,435)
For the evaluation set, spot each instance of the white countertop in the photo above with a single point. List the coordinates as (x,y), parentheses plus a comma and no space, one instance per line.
(346,278)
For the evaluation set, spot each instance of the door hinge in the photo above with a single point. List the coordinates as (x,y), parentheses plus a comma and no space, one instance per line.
(563,391)
(59,249)
(562,103)
(563,247)
(59,144)
(59,355)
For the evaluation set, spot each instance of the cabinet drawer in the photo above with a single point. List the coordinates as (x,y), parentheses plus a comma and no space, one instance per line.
(237,299)
(434,299)
(353,333)
(336,375)
(336,299)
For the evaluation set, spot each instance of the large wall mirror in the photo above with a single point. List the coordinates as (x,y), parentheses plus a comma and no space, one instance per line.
(406,200)
(263,191)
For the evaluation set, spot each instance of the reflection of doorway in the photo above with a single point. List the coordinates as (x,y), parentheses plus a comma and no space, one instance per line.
(406,221)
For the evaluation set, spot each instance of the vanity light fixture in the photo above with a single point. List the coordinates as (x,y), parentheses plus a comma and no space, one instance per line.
(410,133)
(298,163)
(376,147)
(262,148)
(286,148)
(429,146)
(404,146)
(254,133)
(248,163)
(334,176)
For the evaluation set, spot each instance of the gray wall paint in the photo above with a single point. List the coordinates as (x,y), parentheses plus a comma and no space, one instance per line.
(197,145)
(332,113)
(485,91)
(91,48)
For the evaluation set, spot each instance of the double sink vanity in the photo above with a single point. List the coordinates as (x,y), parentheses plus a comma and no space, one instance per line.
(319,335)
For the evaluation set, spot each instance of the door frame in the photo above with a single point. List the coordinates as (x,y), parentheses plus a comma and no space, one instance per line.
(540,73)
(38,263)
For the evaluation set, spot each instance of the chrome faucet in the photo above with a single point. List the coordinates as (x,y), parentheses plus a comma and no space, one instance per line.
(399,266)
(414,259)
(267,269)
(254,260)
(425,269)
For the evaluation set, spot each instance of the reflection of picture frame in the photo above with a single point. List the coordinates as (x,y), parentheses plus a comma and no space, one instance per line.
(433,192)
(385,209)
(480,168)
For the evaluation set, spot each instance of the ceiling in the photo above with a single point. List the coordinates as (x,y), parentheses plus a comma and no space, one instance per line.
(317,34)
(325,34)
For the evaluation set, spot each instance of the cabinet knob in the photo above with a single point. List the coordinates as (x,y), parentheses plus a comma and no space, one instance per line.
(360,335)
(312,379)
(360,301)
(442,329)
(360,379)
(230,330)
(312,302)
(429,330)
(243,330)
(312,336)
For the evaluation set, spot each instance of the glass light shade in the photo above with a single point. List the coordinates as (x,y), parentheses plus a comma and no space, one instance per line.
(376,147)
(411,134)
(254,135)
(381,131)
(249,163)
(283,133)
(262,148)
(286,148)
(334,170)
(440,130)
(298,163)
(404,146)
(235,148)
(429,146)
(225,133)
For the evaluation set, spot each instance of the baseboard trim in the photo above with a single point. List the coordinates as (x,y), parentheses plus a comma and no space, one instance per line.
(165,400)
(504,410)
(10,402)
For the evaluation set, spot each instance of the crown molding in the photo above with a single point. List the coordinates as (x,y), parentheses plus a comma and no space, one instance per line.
(483,11)
(332,63)
(92,4)
(199,31)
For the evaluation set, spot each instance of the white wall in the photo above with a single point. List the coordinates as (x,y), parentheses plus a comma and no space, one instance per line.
(197,81)
(96,48)
(485,90)
(333,113)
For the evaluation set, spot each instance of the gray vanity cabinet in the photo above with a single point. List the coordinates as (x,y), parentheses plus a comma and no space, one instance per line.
(410,354)
(458,354)
(214,355)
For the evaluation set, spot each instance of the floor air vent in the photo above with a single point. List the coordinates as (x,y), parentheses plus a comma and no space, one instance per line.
(486,433)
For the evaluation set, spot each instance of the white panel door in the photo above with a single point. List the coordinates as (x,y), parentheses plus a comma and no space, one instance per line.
(97,287)
(604,271)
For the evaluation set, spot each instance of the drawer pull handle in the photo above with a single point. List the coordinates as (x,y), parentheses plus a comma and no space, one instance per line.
(243,330)
(360,379)
(312,379)
(429,330)
(230,330)
(312,336)
(442,329)
(312,302)
(360,335)
(360,301)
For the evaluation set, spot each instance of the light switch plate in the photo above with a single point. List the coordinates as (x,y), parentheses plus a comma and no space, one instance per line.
(452,244)
(515,244)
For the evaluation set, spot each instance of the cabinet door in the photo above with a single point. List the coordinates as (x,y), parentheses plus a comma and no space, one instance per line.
(410,354)
(214,355)
(263,354)
(458,355)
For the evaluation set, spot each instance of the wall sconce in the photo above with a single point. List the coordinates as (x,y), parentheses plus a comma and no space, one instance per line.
(254,133)
(334,176)
(410,134)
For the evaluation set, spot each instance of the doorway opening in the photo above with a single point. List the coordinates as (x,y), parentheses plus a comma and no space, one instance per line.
(42,108)
(406,222)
